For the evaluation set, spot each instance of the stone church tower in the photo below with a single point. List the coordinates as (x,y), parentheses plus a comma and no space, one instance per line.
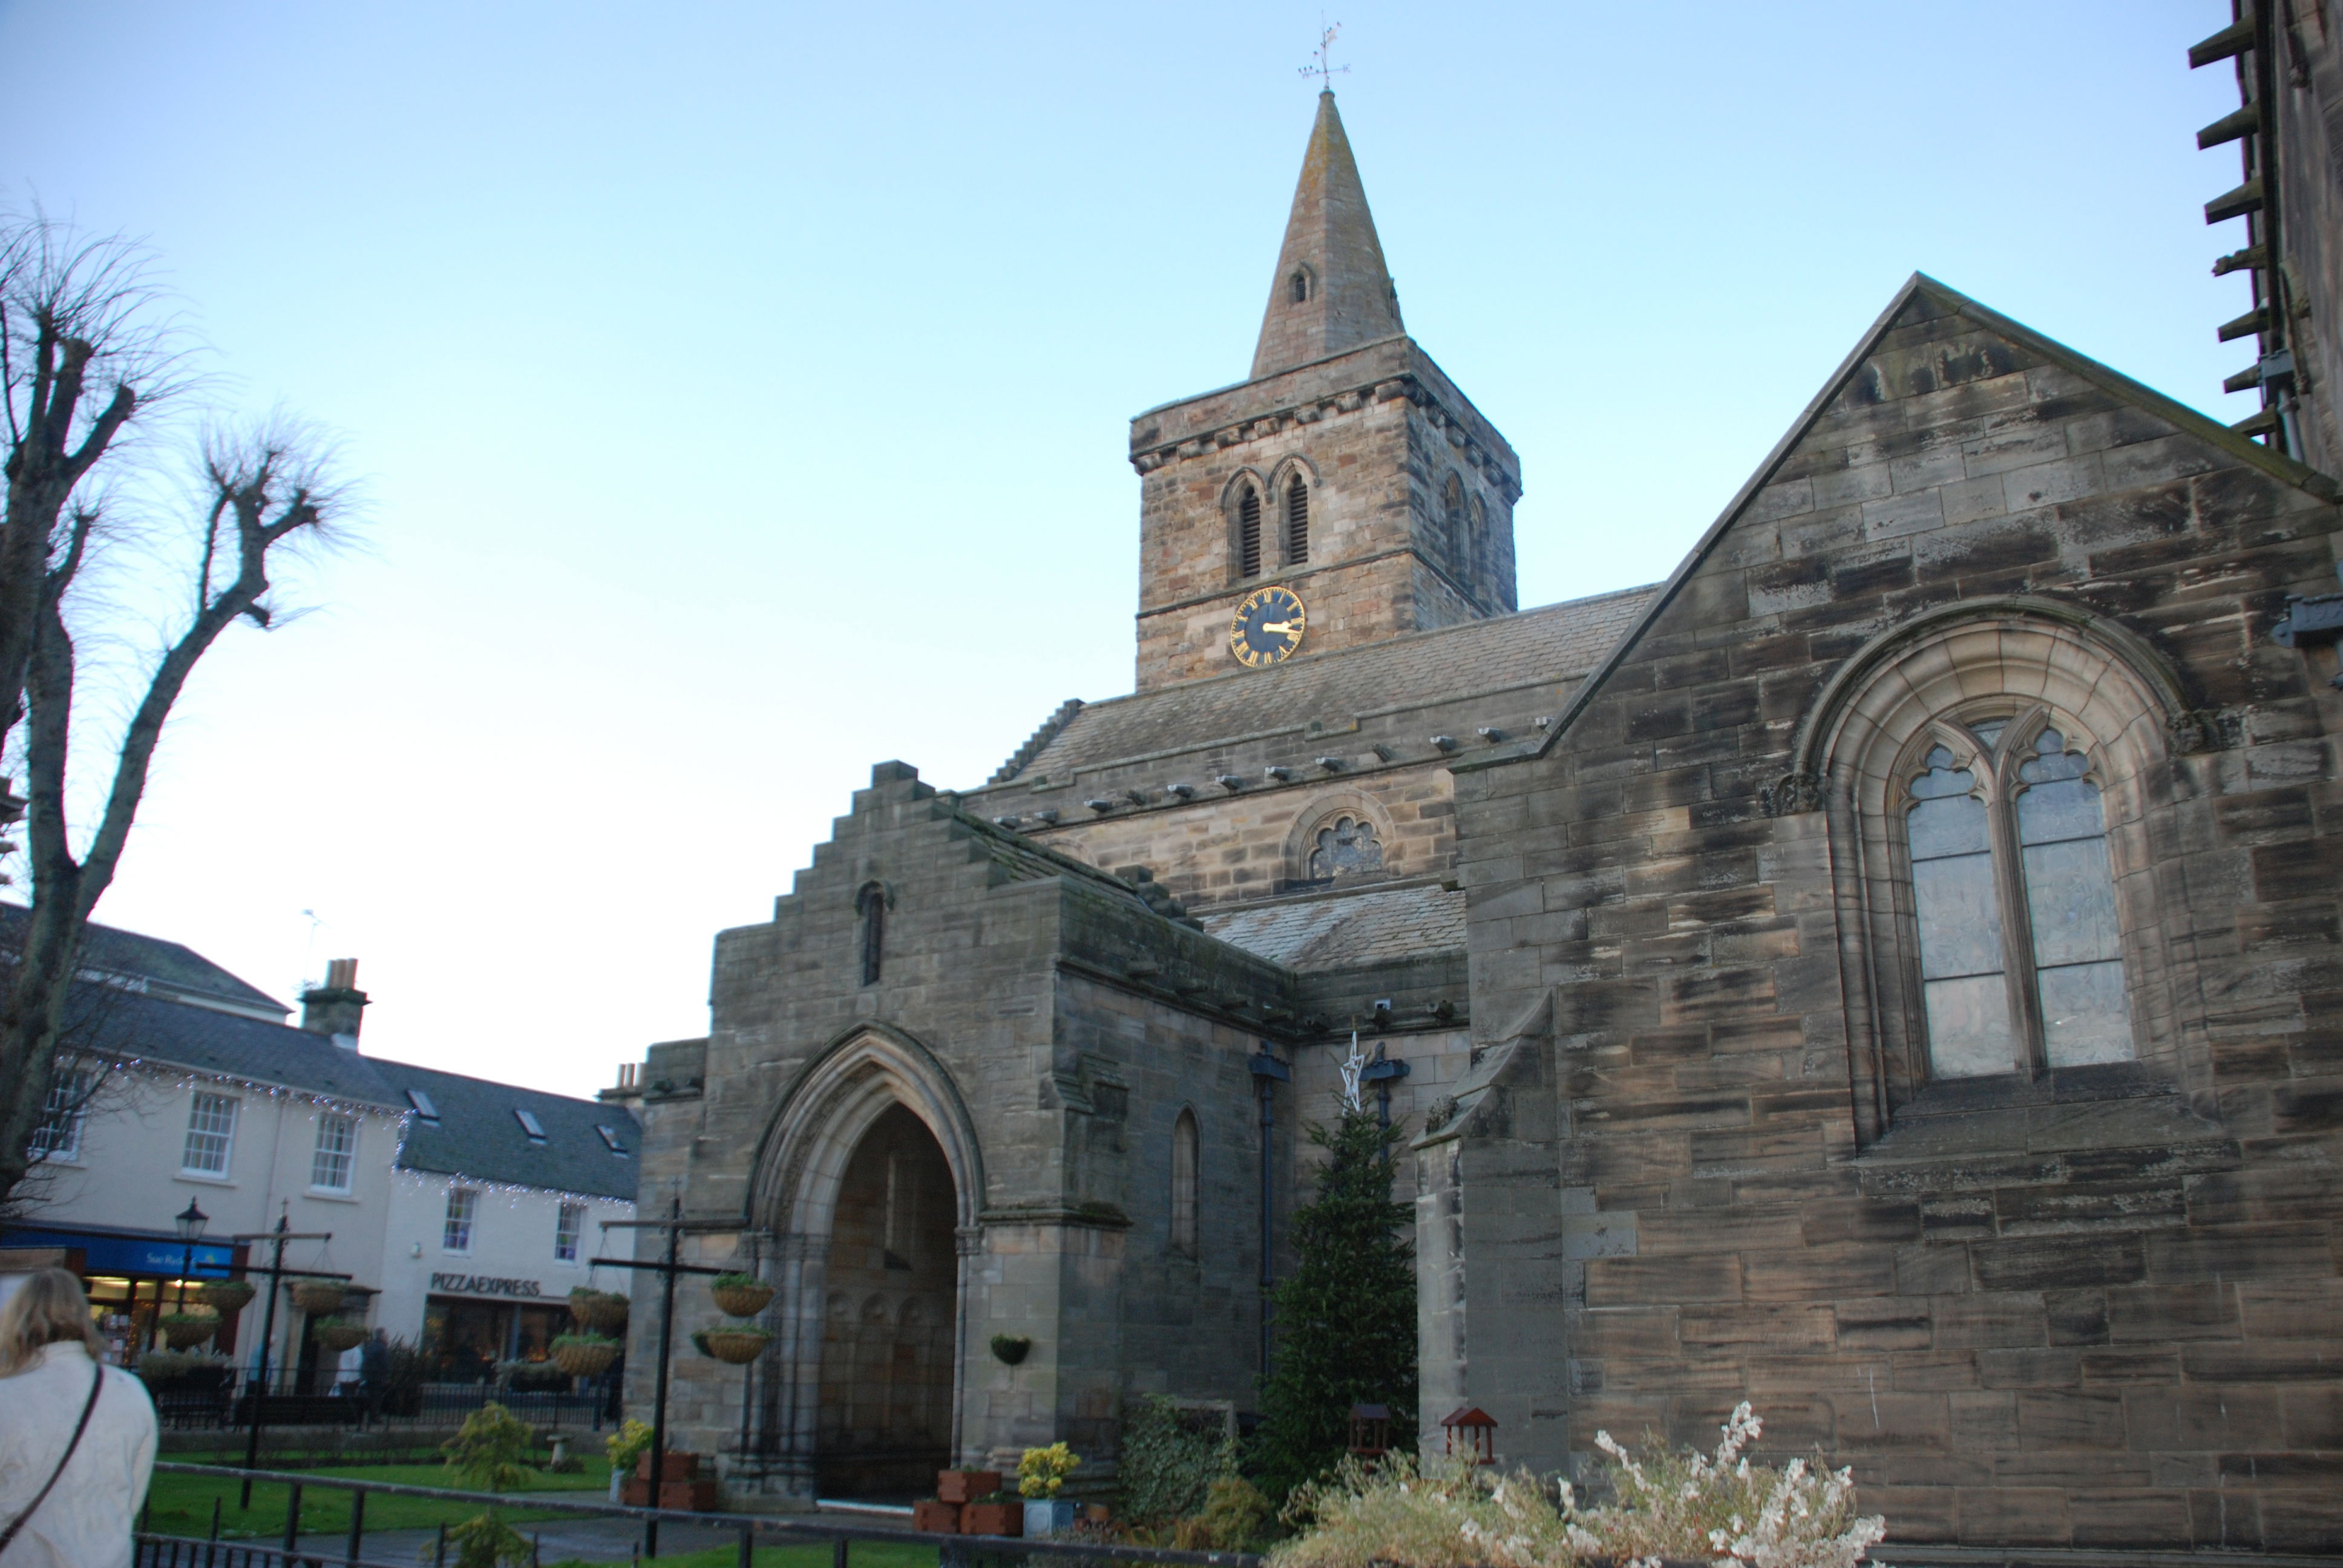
(1347,469)
(1889,972)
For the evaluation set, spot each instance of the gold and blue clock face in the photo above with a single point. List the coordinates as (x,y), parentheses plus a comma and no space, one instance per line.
(1267,626)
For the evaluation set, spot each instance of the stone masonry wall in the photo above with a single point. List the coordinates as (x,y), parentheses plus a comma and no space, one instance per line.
(1376,432)
(2099,1309)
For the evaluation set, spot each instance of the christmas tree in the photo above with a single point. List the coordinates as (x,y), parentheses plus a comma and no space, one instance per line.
(1345,1319)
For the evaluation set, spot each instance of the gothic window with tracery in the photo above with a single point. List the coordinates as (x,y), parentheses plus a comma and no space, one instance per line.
(1345,847)
(2021,963)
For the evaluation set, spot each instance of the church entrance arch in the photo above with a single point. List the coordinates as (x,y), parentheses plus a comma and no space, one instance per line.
(870,1181)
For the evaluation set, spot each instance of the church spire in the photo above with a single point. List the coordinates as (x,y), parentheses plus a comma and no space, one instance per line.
(1332,291)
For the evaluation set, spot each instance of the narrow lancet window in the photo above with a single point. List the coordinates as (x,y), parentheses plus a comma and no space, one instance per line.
(1297,521)
(2070,902)
(1183,1184)
(1961,974)
(1456,521)
(871,903)
(1249,533)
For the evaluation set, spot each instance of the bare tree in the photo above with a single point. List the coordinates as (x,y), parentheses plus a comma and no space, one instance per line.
(76,331)
(85,351)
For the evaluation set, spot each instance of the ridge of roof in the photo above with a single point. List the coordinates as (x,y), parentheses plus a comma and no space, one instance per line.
(2108,380)
(1285,676)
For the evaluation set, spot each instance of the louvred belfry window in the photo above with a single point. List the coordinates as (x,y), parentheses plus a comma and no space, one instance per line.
(2021,966)
(1249,533)
(1297,521)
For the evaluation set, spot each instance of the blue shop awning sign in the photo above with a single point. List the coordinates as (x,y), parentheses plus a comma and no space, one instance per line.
(102,1254)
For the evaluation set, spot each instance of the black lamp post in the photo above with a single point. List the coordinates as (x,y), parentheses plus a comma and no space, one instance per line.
(191,1225)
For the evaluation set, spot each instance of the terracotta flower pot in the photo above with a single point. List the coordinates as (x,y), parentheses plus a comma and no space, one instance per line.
(182,1330)
(226,1295)
(337,1336)
(737,1346)
(742,1300)
(317,1295)
(993,1519)
(584,1357)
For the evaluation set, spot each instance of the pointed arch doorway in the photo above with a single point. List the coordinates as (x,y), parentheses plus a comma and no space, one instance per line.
(871,1179)
(886,1391)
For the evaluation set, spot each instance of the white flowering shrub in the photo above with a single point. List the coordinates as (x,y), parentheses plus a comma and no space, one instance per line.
(1718,1509)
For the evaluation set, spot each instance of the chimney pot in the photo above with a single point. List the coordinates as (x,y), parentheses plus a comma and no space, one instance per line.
(335,1009)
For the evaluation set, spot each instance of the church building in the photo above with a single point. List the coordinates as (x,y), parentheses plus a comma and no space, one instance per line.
(1888,973)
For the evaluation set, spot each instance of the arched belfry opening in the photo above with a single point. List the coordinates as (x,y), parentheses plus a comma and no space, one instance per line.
(886,1399)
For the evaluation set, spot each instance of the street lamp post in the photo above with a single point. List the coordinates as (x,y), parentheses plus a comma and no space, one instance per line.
(191,1223)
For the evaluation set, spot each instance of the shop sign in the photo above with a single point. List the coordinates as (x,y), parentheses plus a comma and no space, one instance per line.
(484,1285)
(101,1254)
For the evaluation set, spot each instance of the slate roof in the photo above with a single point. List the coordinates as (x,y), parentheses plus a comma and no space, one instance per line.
(1555,642)
(205,1040)
(479,1136)
(169,968)
(1317,934)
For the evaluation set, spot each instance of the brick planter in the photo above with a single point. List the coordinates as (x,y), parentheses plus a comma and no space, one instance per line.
(993,1519)
(941,1518)
(958,1486)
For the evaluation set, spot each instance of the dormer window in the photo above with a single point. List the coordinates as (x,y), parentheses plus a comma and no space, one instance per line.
(423,1106)
(610,1139)
(530,1125)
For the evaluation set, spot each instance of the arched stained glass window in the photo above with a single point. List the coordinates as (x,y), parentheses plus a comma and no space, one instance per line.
(2021,965)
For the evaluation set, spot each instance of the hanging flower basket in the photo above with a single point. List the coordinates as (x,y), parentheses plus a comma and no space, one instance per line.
(318,1295)
(583,1355)
(740,1296)
(185,1329)
(737,1346)
(338,1335)
(597,1312)
(225,1295)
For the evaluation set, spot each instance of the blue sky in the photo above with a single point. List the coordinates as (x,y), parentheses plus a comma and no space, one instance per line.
(739,392)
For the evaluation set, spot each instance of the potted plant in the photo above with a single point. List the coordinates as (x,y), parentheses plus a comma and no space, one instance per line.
(319,1296)
(1040,1471)
(740,1296)
(1010,1350)
(185,1329)
(339,1335)
(597,1312)
(737,1345)
(995,1513)
(583,1355)
(225,1295)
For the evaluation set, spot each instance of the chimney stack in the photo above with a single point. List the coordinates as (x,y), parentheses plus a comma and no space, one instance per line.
(335,1007)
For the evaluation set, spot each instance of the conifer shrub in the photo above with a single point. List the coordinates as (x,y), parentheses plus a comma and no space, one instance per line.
(1344,1320)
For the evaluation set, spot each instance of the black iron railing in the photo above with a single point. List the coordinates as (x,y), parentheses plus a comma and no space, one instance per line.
(799,1530)
(184,1405)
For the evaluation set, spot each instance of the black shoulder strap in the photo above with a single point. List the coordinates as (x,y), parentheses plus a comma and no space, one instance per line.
(42,1496)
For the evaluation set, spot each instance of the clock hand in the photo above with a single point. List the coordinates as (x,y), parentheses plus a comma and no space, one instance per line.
(1277,626)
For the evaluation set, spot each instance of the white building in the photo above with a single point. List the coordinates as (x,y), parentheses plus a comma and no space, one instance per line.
(462,1211)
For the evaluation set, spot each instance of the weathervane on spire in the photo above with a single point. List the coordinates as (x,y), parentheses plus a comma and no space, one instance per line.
(1325,70)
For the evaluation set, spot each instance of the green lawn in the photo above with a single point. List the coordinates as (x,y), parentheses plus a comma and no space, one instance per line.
(182,1505)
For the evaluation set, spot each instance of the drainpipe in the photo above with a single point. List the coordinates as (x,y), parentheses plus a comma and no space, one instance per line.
(1268,1072)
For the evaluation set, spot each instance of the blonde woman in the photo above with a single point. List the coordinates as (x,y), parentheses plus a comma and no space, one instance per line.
(77,1437)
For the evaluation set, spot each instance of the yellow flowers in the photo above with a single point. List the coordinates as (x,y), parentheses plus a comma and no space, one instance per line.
(1042,1471)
